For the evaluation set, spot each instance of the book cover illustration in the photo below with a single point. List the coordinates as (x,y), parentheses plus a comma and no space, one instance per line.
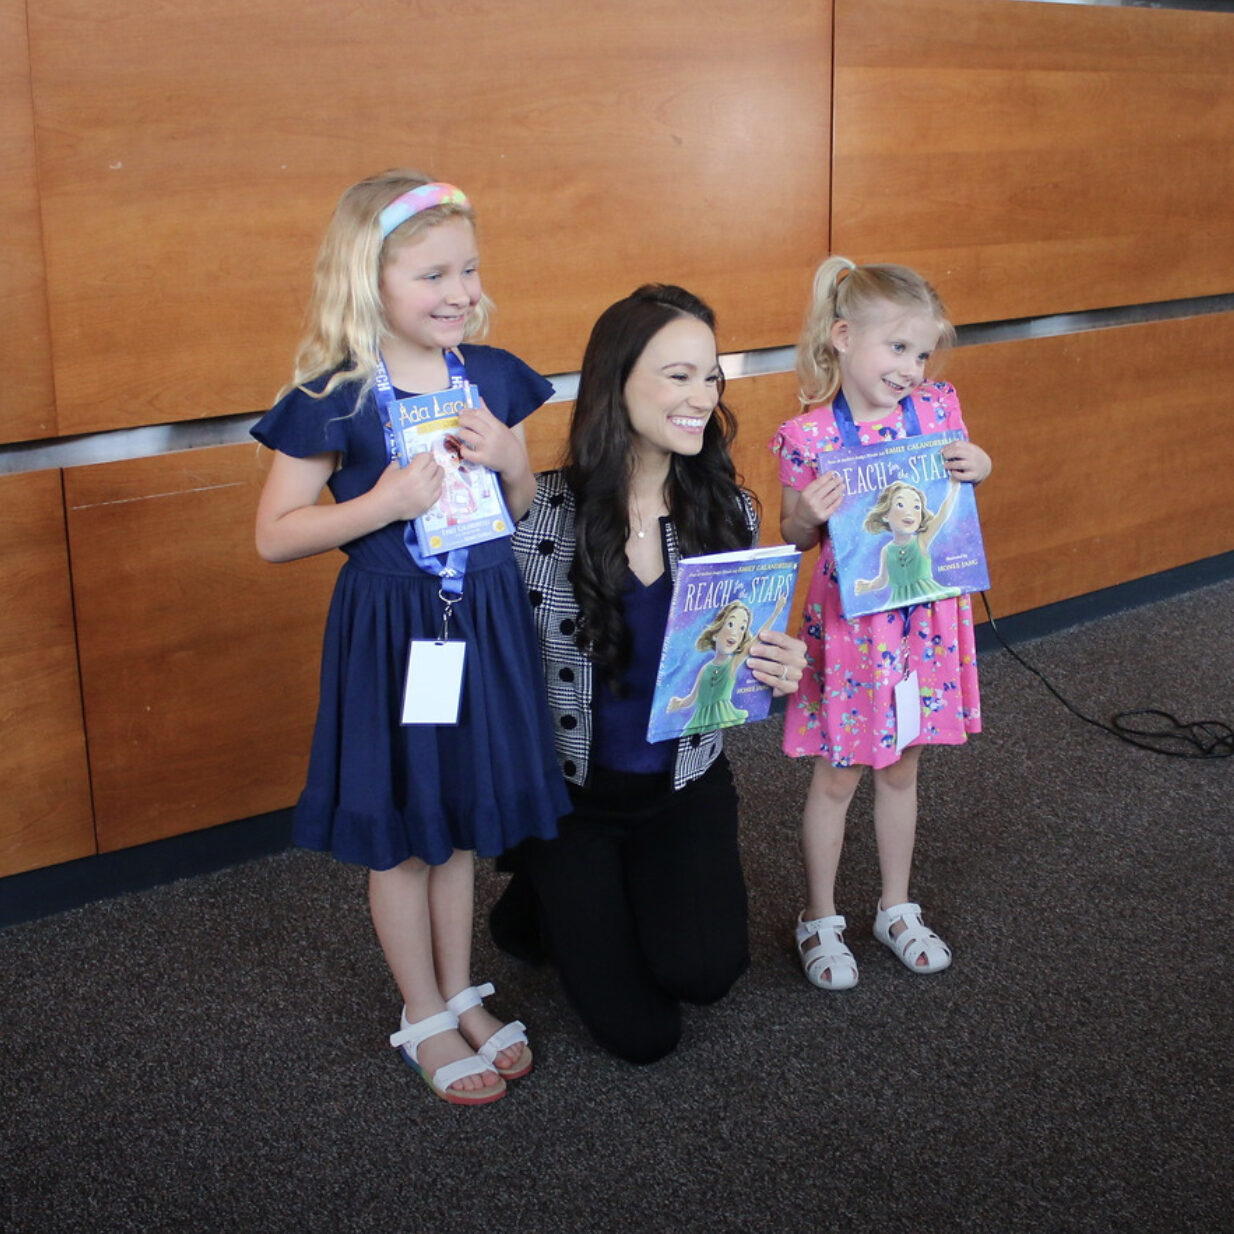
(720,605)
(906,533)
(471,507)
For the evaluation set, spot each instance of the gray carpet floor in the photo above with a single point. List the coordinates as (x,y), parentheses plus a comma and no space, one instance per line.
(211,1055)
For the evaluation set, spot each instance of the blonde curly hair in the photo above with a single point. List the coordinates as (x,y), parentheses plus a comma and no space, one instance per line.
(345,319)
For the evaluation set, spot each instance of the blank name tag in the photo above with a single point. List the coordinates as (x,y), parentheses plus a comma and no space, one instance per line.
(908,710)
(434,682)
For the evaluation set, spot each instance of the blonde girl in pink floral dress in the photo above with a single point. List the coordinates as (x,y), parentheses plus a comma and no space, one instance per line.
(868,334)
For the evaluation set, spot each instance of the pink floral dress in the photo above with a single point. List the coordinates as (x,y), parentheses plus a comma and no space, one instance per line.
(844,708)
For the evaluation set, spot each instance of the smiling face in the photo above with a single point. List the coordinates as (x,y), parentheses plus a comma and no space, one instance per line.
(906,512)
(672,390)
(430,285)
(883,358)
(733,630)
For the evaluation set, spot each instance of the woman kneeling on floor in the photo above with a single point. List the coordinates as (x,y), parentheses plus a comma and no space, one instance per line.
(640,902)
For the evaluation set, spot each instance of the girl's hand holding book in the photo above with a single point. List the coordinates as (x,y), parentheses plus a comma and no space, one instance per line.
(804,512)
(486,440)
(821,498)
(966,461)
(405,493)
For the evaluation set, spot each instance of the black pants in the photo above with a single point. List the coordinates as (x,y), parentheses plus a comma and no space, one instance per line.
(642,904)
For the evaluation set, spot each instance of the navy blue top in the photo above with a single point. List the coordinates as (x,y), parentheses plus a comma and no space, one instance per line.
(301,425)
(621,723)
(379,791)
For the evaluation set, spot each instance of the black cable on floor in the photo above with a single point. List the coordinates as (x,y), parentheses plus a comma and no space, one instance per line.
(1161,733)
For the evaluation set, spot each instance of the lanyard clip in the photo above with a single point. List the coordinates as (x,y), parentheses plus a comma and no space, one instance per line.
(448,602)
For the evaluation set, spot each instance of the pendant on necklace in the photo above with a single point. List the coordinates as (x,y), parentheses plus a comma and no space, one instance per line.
(641,533)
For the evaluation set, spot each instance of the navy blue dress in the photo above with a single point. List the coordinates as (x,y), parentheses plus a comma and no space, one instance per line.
(379,792)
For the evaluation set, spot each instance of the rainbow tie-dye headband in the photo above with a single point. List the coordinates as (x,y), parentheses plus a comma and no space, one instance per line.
(424,198)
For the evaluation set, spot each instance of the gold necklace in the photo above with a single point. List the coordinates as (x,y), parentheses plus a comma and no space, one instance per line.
(638,514)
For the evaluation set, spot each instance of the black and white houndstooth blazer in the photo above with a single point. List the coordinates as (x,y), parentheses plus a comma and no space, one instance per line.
(544,547)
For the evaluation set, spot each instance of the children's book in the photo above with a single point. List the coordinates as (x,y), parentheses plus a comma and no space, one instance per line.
(720,605)
(906,533)
(472,507)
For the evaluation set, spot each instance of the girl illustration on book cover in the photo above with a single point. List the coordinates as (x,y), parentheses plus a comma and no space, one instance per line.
(904,564)
(728,637)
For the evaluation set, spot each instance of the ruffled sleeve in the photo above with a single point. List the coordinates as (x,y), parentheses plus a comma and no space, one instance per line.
(511,389)
(795,449)
(938,407)
(302,425)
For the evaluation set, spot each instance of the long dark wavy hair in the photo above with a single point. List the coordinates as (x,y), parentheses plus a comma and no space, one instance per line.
(702,490)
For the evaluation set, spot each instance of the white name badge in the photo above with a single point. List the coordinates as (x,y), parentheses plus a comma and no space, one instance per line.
(908,710)
(434,682)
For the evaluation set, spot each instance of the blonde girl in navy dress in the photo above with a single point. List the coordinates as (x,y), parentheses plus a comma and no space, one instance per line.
(397,282)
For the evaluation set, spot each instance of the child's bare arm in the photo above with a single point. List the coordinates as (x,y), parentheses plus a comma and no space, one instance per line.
(290,523)
(804,512)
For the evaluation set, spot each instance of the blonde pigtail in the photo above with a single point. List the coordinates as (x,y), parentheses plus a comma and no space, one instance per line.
(818,365)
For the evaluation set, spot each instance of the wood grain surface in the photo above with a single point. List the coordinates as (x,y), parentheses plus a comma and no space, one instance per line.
(189,157)
(1110,456)
(45,813)
(27,402)
(199,661)
(1036,158)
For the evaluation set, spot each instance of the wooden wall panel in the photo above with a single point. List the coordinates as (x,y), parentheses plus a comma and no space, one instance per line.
(546,431)
(1036,158)
(26,400)
(45,807)
(199,660)
(1110,455)
(190,155)
(762,404)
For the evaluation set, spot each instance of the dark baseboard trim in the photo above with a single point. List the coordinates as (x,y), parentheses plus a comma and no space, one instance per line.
(39,893)
(1054,618)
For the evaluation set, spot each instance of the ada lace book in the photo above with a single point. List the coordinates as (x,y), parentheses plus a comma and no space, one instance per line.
(720,604)
(905,532)
(472,507)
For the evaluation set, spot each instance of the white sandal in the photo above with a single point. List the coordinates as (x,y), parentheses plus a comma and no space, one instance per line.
(914,941)
(828,964)
(514,1033)
(408,1041)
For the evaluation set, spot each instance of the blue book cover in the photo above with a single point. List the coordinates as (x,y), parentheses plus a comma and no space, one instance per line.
(906,533)
(472,507)
(720,604)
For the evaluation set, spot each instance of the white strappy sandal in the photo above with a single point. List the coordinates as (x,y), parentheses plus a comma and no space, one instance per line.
(828,964)
(914,941)
(411,1036)
(514,1033)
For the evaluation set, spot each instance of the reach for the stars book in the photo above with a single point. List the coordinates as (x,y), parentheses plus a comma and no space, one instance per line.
(721,604)
(472,507)
(906,533)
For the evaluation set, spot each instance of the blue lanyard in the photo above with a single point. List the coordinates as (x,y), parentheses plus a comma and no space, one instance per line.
(448,567)
(849,435)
